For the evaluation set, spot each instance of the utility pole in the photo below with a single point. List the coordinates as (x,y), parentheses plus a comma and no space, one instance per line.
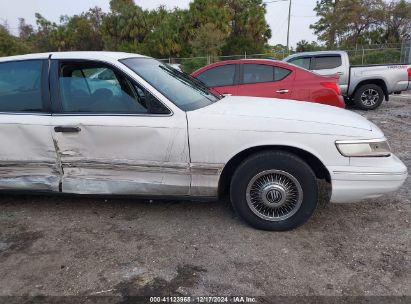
(289,20)
(288,29)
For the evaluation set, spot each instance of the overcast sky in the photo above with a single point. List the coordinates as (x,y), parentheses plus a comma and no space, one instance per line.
(277,13)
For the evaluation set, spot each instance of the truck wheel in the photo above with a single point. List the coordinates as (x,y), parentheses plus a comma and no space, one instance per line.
(274,191)
(368,97)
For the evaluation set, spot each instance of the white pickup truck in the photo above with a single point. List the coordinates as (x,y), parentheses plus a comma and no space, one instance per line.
(366,85)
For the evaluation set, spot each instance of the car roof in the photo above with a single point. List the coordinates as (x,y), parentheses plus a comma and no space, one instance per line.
(314,53)
(74,55)
(269,61)
(247,60)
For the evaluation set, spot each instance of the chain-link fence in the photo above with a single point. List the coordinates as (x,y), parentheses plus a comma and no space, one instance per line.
(406,51)
(360,55)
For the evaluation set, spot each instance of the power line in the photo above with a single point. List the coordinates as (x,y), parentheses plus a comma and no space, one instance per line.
(280,27)
(304,16)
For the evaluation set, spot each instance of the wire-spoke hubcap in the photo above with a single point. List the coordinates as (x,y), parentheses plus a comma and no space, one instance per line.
(274,195)
(370,97)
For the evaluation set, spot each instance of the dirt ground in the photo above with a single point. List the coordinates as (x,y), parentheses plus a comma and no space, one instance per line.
(125,247)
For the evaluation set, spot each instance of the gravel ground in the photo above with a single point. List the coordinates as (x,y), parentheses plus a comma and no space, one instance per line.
(126,247)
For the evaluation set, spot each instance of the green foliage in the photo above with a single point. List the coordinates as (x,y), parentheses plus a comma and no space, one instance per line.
(208,40)
(208,27)
(249,29)
(279,51)
(10,45)
(121,6)
(375,57)
(350,22)
(305,46)
(125,27)
(192,64)
(169,35)
(398,21)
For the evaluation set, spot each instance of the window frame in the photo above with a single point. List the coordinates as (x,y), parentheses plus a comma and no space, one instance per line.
(236,74)
(270,65)
(44,89)
(57,106)
(302,57)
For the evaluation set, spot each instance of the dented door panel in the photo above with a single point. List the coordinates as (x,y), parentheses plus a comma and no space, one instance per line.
(28,159)
(124,154)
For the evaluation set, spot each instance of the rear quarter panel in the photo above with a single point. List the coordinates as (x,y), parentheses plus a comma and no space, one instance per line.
(307,87)
(394,76)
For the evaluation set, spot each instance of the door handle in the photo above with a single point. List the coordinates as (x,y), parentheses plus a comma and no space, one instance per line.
(282,91)
(340,73)
(66,129)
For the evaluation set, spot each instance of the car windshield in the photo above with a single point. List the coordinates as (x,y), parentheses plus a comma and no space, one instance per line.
(183,90)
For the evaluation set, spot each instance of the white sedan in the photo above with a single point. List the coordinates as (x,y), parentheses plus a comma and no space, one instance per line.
(153,131)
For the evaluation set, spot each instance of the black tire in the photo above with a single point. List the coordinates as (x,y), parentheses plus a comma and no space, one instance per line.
(368,97)
(272,163)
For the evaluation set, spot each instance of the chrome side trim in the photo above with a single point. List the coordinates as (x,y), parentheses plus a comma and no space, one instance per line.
(360,141)
(23,163)
(111,114)
(206,169)
(124,165)
(371,173)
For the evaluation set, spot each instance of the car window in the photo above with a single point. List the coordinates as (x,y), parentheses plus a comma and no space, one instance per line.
(303,62)
(280,73)
(184,91)
(326,62)
(96,88)
(219,76)
(106,74)
(20,86)
(255,73)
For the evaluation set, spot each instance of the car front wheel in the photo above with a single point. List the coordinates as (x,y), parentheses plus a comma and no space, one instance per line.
(274,191)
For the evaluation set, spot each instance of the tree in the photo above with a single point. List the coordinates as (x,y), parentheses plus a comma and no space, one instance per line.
(350,22)
(397,21)
(9,44)
(345,21)
(120,6)
(208,40)
(169,36)
(206,27)
(330,22)
(360,17)
(59,38)
(249,29)
(82,34)
(125,27)
(42,40)
(305,46)
(25,30)
(95,18)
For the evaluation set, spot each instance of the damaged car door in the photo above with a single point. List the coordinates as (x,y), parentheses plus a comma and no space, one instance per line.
(28,157)
(113,136)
